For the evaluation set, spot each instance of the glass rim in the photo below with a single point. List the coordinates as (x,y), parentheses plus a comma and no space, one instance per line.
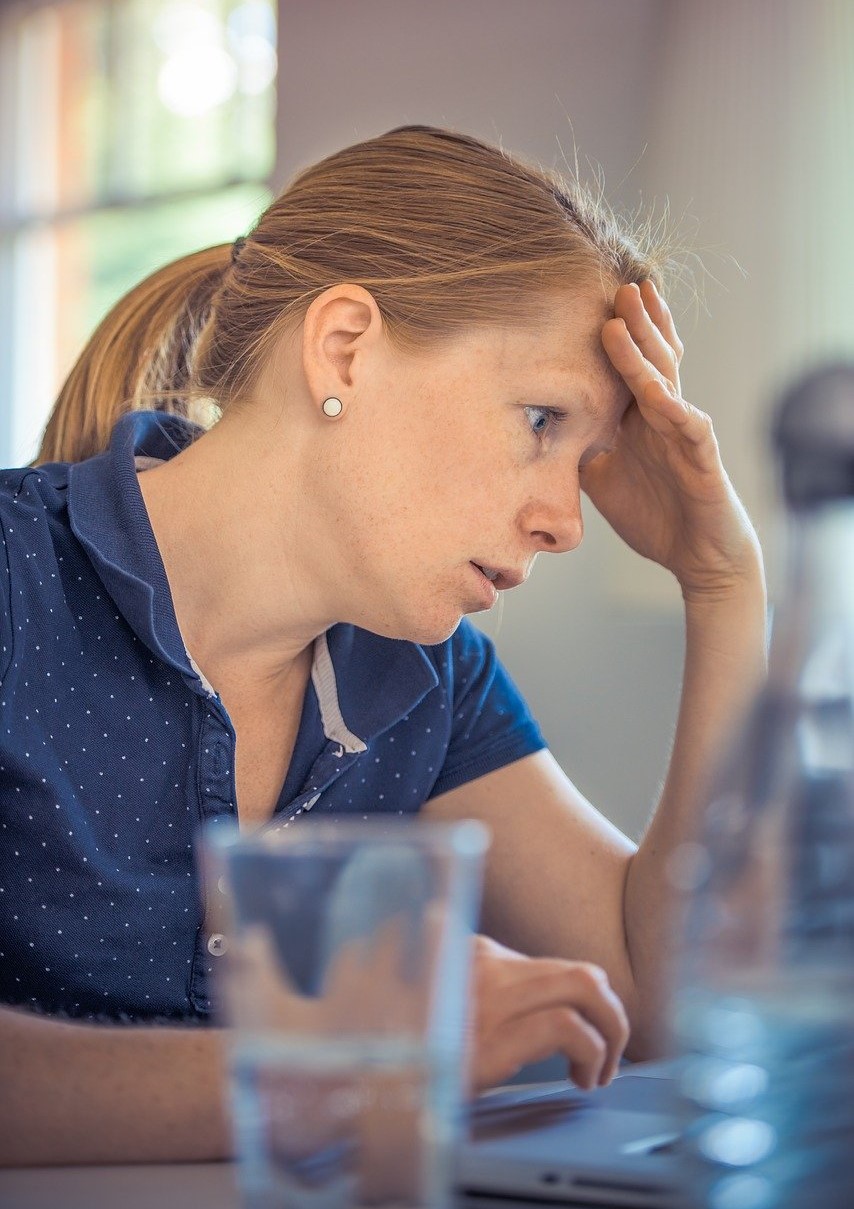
(464,837)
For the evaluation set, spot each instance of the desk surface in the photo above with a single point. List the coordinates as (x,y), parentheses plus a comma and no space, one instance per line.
(149,1186)
(166,1185)
(153,1186)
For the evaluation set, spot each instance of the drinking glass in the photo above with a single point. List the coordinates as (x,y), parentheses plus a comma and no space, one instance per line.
(344,983)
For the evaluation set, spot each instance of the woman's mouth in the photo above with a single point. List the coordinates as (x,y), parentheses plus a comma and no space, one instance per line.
(488,590)
(502,577)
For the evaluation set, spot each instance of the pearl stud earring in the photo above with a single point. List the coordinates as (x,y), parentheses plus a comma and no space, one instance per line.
(332,408)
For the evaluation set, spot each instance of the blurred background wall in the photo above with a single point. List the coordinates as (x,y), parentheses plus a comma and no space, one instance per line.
(134,130)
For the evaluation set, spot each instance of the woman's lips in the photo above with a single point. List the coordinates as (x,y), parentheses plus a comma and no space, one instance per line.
(488,590)
(501,577)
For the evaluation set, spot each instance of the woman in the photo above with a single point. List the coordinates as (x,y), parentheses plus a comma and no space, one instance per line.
(422,353)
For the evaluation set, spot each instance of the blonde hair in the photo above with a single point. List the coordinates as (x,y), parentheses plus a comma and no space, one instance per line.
(444,231)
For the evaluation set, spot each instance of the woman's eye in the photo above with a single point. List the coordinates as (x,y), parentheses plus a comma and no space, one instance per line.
(542,418)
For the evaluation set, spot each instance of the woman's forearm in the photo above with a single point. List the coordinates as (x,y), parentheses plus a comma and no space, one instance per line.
(84,1093)
(725,649)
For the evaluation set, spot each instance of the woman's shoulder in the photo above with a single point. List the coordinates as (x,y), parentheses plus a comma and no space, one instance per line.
(27,487)
(32,501)
(33,512)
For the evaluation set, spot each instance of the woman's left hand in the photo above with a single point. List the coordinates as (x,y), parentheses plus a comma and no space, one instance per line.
(663,487)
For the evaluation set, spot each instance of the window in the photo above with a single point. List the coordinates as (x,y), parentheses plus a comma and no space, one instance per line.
(131,132)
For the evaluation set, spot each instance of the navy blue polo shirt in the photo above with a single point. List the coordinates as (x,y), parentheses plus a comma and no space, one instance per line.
(114,750)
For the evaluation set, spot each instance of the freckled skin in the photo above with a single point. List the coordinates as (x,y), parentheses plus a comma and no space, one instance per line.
(280,522)
(434,463)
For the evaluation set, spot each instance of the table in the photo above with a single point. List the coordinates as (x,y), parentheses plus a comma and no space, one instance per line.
(187,1185)
(151,1186)
(146,1186)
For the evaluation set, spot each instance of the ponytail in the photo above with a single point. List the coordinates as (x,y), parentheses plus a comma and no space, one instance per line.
(139,356)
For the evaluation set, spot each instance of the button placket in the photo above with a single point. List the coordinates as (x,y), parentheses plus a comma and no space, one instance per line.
(216,765)
(216,798)
(329,766)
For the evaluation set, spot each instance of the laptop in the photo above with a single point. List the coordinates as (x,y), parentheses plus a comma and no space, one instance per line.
(553,1143)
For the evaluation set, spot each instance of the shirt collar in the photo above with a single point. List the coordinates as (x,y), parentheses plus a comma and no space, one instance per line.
(364,683)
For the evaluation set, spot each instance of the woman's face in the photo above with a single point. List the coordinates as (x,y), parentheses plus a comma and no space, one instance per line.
(466,458)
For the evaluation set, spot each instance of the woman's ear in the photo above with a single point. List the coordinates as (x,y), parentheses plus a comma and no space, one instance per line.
(342,327)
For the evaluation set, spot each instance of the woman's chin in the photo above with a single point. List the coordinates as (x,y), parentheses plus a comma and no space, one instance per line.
(426,630)
(438,634)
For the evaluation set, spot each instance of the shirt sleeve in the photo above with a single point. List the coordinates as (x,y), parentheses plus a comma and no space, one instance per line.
(491,723)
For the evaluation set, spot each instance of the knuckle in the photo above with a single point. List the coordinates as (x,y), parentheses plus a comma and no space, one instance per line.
(592,975)
(489,956)
(481,945)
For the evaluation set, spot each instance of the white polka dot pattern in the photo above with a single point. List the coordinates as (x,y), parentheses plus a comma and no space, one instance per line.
(113,751)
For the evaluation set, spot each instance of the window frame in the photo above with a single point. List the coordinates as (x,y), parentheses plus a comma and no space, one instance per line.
(16,221)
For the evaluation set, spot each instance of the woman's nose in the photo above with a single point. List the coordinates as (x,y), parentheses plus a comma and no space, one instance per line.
(556,525)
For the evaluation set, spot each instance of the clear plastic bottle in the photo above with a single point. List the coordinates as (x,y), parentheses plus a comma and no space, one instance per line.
(763,1013)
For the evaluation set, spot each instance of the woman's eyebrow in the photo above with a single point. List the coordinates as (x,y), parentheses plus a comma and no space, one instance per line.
(588,406)
(602,413)
(579,400)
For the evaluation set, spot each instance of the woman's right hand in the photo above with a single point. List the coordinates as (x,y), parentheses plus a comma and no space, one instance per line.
(528,1008)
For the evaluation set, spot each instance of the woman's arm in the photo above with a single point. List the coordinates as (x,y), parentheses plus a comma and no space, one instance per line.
(99,1093)
(560,879)
(725,646)
(83,1093)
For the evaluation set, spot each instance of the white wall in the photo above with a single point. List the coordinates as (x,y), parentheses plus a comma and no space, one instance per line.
(753,121)
(502,69)
(734,111)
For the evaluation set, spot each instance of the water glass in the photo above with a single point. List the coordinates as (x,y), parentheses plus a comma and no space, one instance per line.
(344,984)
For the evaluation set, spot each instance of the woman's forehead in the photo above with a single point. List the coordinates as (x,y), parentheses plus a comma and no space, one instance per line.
(559,346)
(569,356)
(560,352)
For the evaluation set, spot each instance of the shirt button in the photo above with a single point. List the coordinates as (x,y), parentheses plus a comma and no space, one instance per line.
(217,944)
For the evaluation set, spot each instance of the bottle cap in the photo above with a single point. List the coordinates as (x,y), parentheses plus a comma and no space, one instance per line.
(813,433)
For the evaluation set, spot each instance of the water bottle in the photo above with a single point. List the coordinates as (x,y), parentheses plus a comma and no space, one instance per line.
(763,1010)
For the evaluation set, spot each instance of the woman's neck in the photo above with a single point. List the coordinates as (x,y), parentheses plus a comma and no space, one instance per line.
(220,514)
